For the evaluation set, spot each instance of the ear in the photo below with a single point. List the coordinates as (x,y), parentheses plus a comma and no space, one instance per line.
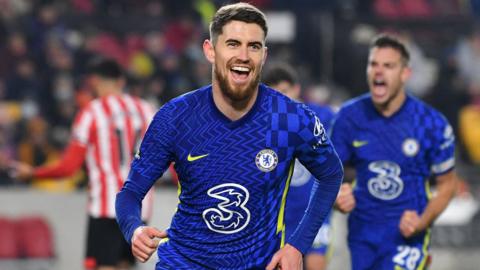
(296,91)
(265,53)
(209,51)
(407,71)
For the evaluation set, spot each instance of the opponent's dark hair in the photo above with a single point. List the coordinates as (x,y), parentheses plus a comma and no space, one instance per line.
(105,67)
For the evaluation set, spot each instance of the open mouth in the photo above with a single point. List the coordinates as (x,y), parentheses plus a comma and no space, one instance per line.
(240,73)
(379,87)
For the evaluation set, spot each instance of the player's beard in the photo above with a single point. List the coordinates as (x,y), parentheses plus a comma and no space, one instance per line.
(238,95)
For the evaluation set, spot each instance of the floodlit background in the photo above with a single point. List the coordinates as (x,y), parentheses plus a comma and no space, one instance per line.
(45,44)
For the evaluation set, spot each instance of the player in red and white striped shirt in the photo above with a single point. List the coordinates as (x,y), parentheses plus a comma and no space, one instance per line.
(105,135)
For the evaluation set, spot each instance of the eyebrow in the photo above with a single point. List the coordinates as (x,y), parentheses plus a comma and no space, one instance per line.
(256,43)
(248,43)
(232,40)
(384,63)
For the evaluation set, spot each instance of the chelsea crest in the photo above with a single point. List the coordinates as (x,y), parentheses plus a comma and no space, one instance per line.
(410,147)
(266,160)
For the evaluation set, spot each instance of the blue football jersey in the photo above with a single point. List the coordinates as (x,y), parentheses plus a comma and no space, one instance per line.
(302,180)
(233,176)
(393,156)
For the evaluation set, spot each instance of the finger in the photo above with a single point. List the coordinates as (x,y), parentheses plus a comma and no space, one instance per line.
(151,243)
(158,233)
(154,232)
(140,255)
(145,247)
(273,263)
(343,200)
(149,240)
(346,188)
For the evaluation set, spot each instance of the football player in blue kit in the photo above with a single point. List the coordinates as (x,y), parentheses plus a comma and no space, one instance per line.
(234,144)
(394,142)
(283,78)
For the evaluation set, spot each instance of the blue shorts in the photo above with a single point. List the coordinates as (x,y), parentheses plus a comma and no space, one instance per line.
(380,246)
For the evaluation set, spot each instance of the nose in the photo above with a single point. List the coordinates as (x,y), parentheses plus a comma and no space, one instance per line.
(243,53)
(378,70)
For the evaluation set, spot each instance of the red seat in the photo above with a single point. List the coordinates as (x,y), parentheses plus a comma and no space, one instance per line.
(8,241)
(35,237)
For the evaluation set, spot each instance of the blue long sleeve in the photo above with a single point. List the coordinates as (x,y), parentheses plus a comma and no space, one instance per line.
(322,198)
(128,204)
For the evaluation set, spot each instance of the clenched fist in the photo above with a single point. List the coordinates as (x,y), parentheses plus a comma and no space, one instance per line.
(345,200)
(145,241)
(409,223)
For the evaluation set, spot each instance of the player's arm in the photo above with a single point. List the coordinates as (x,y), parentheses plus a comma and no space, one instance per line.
(71,161)
(411,223)
(443,163)
(72,157)
(340,137)
(150,162)
(317,154)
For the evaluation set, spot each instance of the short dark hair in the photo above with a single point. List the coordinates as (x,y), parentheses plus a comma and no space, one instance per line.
(279,72)
(243,12)
(105,67)
(389,41)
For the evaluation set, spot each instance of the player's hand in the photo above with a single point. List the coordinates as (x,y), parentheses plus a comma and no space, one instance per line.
(19,170)
(287,258)
(145,241)
(409,223)
(345,200)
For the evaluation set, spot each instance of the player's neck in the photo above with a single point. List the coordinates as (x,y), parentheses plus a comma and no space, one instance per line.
(232,109)
(392,106)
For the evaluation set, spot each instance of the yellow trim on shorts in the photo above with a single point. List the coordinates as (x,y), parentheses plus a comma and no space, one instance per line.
(281,213)
(426,243)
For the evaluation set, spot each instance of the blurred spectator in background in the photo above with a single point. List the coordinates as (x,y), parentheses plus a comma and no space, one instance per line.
(467,63)
(469,130)
(104,135)
(467,59)
(36,147)
(424,69)
(15,49)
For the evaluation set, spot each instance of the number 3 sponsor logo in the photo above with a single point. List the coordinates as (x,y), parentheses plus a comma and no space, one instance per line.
(387,184)
(230,215)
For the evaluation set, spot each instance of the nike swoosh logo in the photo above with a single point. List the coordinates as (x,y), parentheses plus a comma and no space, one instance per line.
(357,144)
(193,158)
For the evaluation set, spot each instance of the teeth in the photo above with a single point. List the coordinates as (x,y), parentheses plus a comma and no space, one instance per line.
(241,69)
(379,82)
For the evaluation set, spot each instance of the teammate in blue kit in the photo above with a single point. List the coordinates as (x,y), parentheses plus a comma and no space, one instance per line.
(283,78)
(234,144)
(394,142)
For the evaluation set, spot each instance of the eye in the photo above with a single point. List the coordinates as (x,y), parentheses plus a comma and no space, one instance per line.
(255,47)
(390,65)
(232,44)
